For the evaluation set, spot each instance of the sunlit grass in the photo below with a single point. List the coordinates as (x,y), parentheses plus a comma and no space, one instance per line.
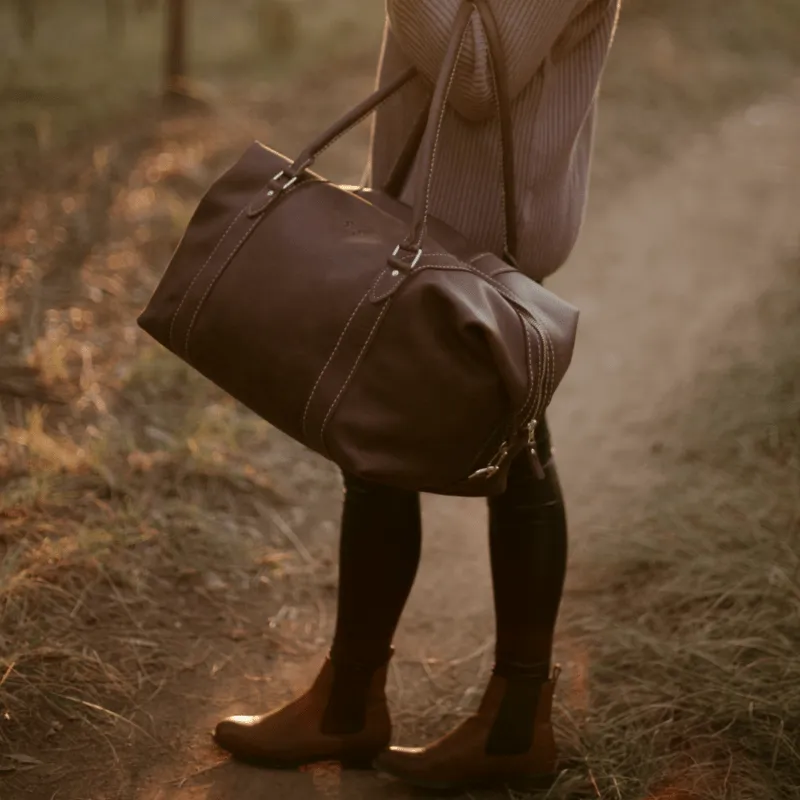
(145,485)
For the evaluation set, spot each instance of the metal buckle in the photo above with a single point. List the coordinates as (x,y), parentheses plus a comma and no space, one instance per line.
(417,257)
(277,177)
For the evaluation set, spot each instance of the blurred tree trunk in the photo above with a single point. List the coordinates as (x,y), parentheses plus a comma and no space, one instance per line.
(26,20)
(176,46)
(115,19)
(277,27)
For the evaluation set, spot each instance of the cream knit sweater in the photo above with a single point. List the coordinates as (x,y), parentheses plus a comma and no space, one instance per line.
(555,51)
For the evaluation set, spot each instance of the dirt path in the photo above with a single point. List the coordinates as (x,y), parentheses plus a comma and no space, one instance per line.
(661,270)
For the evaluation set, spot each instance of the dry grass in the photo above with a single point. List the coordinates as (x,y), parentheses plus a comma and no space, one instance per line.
(691,679)
(682,675)
(678,66)
(138,509)
(137,514)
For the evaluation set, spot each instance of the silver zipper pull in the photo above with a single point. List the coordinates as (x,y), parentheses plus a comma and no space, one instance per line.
(486,472)
(494,465)
(538,469)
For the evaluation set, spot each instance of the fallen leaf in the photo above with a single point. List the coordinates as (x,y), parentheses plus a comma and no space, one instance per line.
(21,758)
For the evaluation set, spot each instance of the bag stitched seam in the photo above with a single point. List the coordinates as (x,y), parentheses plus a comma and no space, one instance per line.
(227,261)
(434,156)
(211,285)
(529,354)
(508,293)
(367,113)
(197,276)
(349,378)
(462,267)
(504,208)
(336,350)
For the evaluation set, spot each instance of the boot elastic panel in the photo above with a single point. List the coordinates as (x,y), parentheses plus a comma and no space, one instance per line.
(513,727)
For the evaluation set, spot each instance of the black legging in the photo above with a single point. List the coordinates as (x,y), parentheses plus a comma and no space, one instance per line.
(381,541)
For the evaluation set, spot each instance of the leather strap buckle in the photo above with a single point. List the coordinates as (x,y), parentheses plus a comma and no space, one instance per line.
(274,188)
(282,174)
(398,263)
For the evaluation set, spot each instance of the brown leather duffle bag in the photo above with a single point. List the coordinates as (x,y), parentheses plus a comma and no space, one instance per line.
(368,331)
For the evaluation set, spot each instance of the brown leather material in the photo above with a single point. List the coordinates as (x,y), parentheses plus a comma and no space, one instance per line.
(430,142)
(398,177)
(421,368)
(460,761)
(295,733)
(502,95)
(349,121)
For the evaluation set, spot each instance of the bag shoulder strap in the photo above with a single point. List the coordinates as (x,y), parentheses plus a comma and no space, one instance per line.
(430,142)
(503,97)
(426,133)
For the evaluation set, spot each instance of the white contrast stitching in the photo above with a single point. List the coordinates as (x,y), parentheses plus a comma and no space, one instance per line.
(462,267)
(336,349)
(429,187)
(352,372)
(504,208)
(350,127)
(228,260)
(211,285)
(508,294)
(199,273)
(529,353)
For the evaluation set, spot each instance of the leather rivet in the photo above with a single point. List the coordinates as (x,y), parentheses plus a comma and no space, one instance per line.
(395,273)
(270,193)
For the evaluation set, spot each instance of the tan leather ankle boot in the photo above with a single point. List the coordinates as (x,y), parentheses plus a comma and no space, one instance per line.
(342,717)
(489,749)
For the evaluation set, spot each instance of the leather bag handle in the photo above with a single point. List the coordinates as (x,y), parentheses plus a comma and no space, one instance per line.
(424,137)
(430,143)
(353,117)
(502,95)
(402,169)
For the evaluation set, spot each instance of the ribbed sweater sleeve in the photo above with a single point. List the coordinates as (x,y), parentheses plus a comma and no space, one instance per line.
(528,30)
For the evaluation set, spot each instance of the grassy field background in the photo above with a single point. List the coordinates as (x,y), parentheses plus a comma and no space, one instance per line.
(684,60)
(143,515)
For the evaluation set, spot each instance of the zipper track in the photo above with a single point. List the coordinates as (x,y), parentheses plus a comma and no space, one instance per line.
(541,394)
(546,384)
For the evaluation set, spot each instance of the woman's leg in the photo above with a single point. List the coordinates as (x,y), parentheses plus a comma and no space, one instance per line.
(509,740)
(379,554)
(528,545)
(344,716)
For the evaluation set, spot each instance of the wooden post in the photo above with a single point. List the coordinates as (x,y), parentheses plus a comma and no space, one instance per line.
(176,46)
(26,19)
